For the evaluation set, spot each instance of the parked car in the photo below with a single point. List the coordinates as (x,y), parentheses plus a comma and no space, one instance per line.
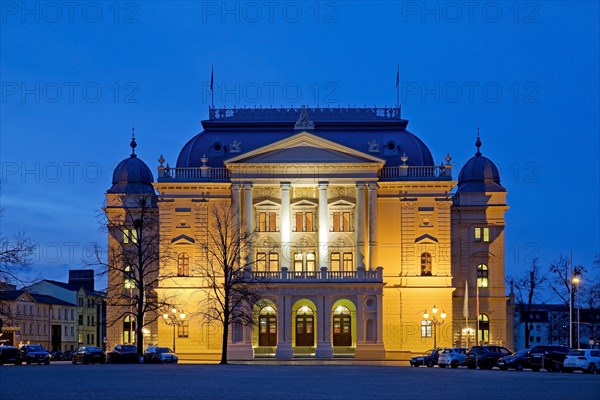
(34,353)
(89,355)
(9,355)
(586,360)
(429,359)
(123,353)
(548,357)
(517,361)
(67,355)
(57,356)
(453,357)
(485,357)
(160,355)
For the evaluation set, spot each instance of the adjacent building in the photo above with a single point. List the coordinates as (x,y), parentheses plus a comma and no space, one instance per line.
(368,243)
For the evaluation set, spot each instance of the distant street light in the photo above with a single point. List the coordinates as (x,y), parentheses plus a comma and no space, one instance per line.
(174,318)
(576,281)
(435,322)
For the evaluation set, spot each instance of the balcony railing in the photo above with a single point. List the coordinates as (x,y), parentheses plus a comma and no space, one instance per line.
(405,172)
(166,174)
(319,276)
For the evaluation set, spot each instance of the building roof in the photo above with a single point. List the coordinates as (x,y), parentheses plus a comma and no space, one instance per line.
(132,175)
(73,287)
(13,295)
(479,174)
(228,133)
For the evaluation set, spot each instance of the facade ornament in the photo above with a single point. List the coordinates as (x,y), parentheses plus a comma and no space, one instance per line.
(448,158)
(161,160)
(373,146)
(204,159)
(404,158)
(235,147)
(304,121)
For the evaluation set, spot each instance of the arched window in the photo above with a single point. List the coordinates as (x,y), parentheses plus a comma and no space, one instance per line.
(129,327)
(425,264)
(267,327)
(183,264)
(484,328)
(482,276)
(342,323)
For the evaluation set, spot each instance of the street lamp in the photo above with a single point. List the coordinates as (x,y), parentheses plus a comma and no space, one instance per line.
(174,319)
(576,281)
(435,322)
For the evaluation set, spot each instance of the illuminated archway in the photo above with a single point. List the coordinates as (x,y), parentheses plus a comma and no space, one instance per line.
(304,321)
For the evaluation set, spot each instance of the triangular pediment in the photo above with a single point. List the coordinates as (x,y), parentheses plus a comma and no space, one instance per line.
(182,239)
(304,148)
(426,238)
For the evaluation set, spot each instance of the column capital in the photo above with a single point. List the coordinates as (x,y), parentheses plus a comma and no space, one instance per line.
(323,185)
(236,186)
(285,185)
(361,185)
(373,185)
(247,185)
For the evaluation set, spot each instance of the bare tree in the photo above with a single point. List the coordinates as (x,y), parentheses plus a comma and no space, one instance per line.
(134,262)
(561,281)
(232,291)
(527,286)
(15,259)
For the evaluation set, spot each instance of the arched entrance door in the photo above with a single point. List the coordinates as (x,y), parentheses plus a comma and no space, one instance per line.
(267,327)
(305,322)
(342,323)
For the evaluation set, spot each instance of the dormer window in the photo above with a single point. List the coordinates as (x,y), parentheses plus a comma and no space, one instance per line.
(482,234)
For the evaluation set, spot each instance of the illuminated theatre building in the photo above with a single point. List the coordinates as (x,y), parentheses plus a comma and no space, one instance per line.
(358,231)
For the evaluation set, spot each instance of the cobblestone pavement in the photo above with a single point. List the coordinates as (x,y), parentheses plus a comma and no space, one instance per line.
(61,381)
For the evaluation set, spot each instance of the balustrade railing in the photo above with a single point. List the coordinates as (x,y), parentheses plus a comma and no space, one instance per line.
(192,174)
(329,276)
(417,172)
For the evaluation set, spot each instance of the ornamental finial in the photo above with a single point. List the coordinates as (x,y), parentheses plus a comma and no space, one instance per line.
(133,144)
(478,143)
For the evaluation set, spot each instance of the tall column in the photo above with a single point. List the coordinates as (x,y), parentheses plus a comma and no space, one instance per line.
(284,349)
(248,221)
(373,253)
(285,226)
(236,199)
(323,226)
(360,225)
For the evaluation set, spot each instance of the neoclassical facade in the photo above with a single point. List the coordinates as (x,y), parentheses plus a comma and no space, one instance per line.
(366,242)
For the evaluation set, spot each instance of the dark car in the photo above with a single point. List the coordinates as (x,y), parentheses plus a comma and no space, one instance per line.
(67,355)
(517,361)
(89,355)
(160,355)
(485,357)
(548,357)
(123,353)
(429,359)
(34,353)
(57,356)
(9,355)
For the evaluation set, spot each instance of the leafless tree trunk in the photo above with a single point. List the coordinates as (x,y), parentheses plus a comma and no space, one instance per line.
(134,262)
(232,291)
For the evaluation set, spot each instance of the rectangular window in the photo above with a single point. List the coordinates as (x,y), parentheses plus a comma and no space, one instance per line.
(336,222)
(81,302)
(478,234)
(310,262)
(486,234)
(346,221)
(129,236)
(272,222)
(72,331)
(425,328)
(273,261)
(334,262)
(66,330)
(72,315)
(348,262)
(261,261)
(298,261)
(88,321)
(262,222)
(183,330)
(309,221)
(81,320)
(299,222)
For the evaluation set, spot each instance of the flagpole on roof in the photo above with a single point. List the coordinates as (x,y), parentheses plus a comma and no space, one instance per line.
(212,83)
(398,87)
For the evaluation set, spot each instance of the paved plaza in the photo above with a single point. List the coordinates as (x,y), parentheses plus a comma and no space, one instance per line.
(62,380)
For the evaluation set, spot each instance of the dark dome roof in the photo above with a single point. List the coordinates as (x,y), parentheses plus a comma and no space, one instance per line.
(132,176)
(256,130)
(479,174)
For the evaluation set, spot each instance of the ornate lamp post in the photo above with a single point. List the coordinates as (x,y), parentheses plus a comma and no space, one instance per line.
(435,322)
(174,319)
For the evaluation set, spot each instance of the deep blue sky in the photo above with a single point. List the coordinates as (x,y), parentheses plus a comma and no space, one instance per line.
(525,72)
